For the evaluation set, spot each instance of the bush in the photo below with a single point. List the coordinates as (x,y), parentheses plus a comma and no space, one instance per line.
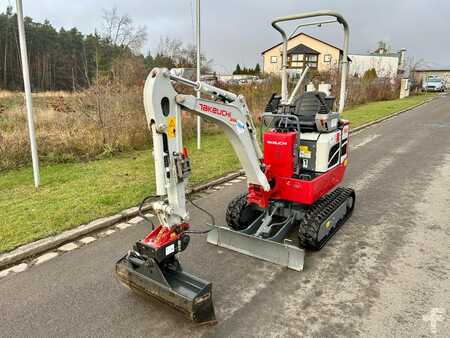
(370,75)
(361,90)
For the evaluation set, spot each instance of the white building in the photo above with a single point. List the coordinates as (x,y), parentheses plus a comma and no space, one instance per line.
(385,64)
(237,78)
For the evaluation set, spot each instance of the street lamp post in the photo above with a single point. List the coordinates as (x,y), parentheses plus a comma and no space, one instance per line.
(199,120)
(27,87)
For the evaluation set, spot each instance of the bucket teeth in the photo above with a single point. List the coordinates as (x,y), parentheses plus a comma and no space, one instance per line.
(169,284)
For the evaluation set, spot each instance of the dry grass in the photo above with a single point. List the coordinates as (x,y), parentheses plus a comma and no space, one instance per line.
(84,126)
(57,93)
(104,120)
(108,118)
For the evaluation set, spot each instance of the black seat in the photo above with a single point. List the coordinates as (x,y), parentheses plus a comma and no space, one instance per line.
(305,108)
(308,106)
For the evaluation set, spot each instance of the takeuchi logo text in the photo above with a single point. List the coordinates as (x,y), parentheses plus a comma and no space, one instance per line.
(277,143)
(217,111)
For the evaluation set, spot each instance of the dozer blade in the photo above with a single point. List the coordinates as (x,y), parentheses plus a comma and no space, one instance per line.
(172,286)
(283,254)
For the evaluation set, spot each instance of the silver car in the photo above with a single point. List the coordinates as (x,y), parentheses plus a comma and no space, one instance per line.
(433,84)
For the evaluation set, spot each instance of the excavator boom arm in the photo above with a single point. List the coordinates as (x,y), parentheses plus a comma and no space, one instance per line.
(163,106)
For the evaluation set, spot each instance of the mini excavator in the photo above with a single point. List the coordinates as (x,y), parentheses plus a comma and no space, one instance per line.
(292,187)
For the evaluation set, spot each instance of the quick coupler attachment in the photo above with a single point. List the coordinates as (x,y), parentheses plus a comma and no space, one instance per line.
(156,272)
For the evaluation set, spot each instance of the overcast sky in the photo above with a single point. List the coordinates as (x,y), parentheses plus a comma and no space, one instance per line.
(237,31)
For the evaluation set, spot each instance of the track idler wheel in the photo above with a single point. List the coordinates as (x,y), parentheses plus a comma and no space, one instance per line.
(240,214)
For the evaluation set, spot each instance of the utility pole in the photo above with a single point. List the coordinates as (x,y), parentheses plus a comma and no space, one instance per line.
(27,87)
(199,120)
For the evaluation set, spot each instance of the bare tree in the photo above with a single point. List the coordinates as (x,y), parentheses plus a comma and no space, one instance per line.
(172,48)
(120,30)
(180,55)
(412,66)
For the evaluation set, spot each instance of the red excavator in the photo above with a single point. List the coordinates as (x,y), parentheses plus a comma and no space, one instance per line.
(292,187)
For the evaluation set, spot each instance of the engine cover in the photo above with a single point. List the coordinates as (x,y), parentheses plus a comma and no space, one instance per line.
(319,152)
(302,169)
(279,151)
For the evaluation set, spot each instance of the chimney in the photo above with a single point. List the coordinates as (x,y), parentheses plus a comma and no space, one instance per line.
(402,59)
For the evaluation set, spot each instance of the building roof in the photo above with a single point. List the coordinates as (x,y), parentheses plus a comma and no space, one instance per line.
(433,69)
(302,49)
(396,55)
(298,34)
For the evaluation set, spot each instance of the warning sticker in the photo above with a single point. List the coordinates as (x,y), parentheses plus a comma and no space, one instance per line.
(171,127)
(305,152)
(240,127)
(170,249)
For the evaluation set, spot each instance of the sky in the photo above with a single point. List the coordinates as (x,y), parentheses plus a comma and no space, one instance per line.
(236,31)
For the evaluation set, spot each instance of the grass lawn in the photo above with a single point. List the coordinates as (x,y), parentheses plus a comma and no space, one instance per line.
(75,193)
(365,113)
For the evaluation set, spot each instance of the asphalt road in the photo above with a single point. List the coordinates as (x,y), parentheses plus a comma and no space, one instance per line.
(382,274)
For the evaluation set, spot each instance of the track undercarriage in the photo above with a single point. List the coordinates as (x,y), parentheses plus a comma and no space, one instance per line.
(316,223)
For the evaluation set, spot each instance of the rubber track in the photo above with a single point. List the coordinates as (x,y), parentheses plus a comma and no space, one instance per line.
(234,210)
(316,216)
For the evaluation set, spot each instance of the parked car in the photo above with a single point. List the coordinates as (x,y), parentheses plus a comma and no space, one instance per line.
(433,84)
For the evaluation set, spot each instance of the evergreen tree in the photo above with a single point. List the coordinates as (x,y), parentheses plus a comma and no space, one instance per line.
(70,60)
(59,60)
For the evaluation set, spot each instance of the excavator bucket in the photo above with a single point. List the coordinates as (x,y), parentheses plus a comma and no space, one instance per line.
(281,253)
(170,285)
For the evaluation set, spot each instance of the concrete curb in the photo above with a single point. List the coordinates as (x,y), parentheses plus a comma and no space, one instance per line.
(49,243)
(35,248)
(369,124)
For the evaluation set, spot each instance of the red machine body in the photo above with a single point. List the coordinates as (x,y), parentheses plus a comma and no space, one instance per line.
(279,159)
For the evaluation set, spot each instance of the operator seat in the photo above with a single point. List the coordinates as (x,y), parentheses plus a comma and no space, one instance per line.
(313,105)
(311,112)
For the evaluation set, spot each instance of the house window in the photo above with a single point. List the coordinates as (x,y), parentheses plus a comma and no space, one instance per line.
(311,60)
(301,60)
(296,61)
(327,58)
(273,59)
